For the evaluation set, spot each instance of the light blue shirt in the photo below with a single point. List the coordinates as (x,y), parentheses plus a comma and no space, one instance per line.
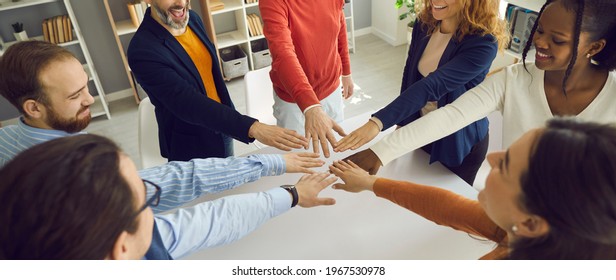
(182,182)
(220,221)
(16,138)
(207,224)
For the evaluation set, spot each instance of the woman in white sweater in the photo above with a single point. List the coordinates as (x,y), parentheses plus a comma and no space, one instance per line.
(564,80)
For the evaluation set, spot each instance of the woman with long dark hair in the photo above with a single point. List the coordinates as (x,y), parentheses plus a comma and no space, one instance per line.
(551,195)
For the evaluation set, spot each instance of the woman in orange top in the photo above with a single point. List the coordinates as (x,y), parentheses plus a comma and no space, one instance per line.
(551,195)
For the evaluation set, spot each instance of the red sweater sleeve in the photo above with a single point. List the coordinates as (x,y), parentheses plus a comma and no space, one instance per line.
(440,206)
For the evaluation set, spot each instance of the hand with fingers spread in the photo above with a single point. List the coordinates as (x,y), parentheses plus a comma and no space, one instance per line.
(302,162)
(367,160)
(277,137)
(359,137)
(347,86)
(319,130)
(308,189)
(355,179)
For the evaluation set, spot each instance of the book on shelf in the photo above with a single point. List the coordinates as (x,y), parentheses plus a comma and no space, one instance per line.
(216,5)
(57,29)
(45,30)
(69,24)
(251,25)
(136,10)
(254,25)
(60,25)
(133,14)
(139,11)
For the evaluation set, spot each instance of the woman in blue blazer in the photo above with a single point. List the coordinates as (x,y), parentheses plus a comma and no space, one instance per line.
(454,43)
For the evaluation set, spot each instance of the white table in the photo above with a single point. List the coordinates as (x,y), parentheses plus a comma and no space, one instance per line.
(360,225)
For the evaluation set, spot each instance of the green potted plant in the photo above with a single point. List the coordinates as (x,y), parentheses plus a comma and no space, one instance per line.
(411,8)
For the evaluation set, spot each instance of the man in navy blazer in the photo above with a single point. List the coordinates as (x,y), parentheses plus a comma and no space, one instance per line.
(192,124)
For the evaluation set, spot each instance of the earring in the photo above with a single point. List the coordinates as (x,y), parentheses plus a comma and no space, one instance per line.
(514,228)
(588,56)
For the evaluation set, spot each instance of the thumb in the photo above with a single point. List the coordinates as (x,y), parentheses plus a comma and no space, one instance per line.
(337,128)
(339,186)
(325,201)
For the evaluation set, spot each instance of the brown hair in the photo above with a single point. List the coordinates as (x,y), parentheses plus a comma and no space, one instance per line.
(479,17)
(20,67)
(65,199)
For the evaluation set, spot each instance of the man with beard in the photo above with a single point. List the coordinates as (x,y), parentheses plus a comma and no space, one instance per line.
(50,91)
(175,62)
(48,85)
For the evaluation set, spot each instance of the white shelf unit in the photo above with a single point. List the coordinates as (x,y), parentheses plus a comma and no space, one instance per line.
(350,25)
(230,27)
(100,106)
(533,5)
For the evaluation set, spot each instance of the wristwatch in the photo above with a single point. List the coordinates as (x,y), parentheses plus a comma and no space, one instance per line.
(293,191)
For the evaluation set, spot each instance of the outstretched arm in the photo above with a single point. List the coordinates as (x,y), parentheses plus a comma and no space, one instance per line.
(438,205)
(230,218)
(182,182)
(471,61)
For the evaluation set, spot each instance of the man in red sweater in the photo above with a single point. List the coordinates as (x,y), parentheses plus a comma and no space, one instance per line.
(308,43)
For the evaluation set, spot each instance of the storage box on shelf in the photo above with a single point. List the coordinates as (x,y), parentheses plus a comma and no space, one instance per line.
(234,62)
(21,10)
(239,23)
(260,53)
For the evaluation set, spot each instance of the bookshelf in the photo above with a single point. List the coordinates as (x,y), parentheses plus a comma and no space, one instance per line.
(33,25)
(121,28)
(231,28)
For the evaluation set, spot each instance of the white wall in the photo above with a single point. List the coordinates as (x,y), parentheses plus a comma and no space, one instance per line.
(385,23)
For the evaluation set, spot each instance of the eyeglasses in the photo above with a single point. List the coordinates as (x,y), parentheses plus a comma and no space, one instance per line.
(152,201)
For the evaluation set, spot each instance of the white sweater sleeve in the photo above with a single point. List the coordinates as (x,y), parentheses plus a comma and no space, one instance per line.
(473,105)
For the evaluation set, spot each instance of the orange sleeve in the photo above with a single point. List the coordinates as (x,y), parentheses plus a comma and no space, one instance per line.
(343,45)
(284,59)
(440,206)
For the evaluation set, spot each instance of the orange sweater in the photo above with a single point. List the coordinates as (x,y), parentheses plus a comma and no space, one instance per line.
(444,208)
(308,43)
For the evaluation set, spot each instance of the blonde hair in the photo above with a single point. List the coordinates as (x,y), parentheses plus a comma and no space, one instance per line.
(479,17)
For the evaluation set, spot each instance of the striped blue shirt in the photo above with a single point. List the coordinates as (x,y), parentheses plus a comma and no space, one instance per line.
(201,226)
(181,182)
(16,138)
(220,221)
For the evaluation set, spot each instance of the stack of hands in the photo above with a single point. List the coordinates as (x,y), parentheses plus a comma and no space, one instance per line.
(354,178)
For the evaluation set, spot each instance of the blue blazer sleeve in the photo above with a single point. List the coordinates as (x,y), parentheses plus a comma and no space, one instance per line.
(473,56)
